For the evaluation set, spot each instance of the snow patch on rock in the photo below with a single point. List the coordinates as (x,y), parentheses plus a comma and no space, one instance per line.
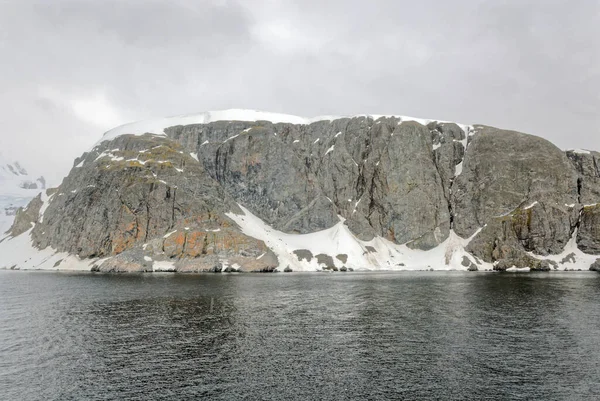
(19,253)
(377,254)
(580,260)
(163,266)
(515,269)
(580,151)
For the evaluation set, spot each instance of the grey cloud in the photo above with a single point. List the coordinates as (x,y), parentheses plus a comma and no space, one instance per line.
(527,65)
(152,24)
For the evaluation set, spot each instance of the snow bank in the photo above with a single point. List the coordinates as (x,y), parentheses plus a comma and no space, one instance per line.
(19,253)
(515,269)
(580,151)
(571,257)
(469,131)
(163,266)
(377,254)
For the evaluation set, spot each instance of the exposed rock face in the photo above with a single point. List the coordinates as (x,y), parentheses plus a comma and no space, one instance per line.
(129,194)
(506,169)
(539,228)
(588,236)
(153,203)
(499,242)
(525,192)
(449,142)
(587,166)
(379,175)
(408,203)
(26,218)
(143,192)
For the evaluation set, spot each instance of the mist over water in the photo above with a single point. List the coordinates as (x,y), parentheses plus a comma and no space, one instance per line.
(408,335)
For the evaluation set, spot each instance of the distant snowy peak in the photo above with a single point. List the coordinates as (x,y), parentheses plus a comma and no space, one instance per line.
(157,126)
(17,188)
(14,175)
(14,169)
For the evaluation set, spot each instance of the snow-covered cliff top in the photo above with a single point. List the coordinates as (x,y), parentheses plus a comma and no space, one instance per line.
(157,126)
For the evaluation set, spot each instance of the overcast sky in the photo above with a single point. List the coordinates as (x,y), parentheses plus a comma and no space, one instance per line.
(72,69)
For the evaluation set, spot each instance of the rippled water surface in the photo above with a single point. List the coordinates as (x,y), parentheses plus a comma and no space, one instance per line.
(425,336)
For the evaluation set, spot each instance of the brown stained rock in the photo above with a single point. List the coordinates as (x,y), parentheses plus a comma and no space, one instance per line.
(174,244)
(125,235)
(226,244)
(195,244)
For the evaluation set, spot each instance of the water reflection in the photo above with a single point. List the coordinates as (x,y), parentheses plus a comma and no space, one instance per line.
(336,336)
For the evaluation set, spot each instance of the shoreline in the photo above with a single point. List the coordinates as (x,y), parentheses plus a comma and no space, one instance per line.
(277,272)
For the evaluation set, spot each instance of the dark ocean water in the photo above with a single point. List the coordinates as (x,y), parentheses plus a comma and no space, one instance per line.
(414,336)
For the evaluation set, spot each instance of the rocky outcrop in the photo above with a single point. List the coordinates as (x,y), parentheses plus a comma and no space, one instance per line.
(466,262)
(151,202)
(587,166)
(524,192)
(539,228)
(26,218)
(588,236)
(505,169)
(143,198)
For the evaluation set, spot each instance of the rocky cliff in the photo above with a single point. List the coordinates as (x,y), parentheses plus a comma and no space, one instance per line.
(257,192)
